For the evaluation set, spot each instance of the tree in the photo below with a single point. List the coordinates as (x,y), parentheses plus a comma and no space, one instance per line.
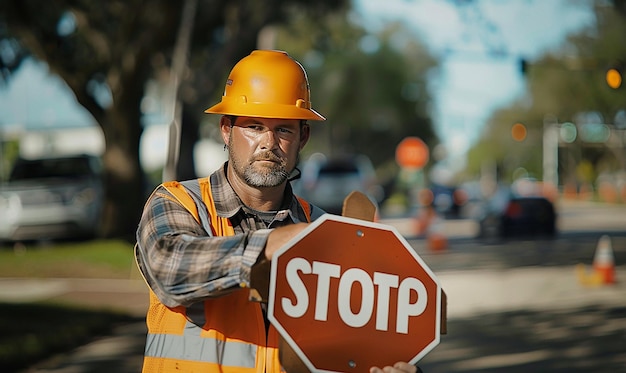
(566,84)
(116,47)
(371,87)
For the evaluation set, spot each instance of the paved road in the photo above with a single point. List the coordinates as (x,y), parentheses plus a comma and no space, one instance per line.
(501,317)
(518,306)
(575,339)
(120,352)
(518,320)
(537,319)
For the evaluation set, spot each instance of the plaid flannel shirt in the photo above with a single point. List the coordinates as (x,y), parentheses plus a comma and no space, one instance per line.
(184,264)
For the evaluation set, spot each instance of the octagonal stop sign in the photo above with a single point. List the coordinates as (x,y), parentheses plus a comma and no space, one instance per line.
(412,153)
(348,294)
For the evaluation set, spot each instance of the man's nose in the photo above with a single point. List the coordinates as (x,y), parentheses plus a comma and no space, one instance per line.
(269,140)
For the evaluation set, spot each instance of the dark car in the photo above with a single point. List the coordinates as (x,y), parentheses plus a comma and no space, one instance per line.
(448,201)
(326,182)
(52,198)
(509,215)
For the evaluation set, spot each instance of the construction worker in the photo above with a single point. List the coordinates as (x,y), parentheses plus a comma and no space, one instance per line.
(198,241)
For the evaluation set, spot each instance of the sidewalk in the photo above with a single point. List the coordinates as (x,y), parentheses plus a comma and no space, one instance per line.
(130,296)
(469,293)
(472,293)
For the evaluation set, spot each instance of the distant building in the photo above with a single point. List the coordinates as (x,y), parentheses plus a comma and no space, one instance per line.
(62,141)
(40,143)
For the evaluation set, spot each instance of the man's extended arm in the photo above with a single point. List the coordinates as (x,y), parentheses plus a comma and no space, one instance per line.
(182,263)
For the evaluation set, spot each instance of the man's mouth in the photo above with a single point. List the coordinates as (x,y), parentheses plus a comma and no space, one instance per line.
(268,157)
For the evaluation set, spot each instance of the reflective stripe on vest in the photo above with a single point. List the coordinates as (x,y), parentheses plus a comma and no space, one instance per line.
(224,334)
(195,347)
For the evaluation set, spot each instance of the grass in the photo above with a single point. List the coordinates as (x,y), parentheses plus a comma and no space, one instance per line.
(91,259)
(31,332)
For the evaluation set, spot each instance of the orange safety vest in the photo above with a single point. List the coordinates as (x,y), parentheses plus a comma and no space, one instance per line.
(224,334)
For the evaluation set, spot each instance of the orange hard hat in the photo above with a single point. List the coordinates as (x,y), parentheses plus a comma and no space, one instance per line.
(267,84)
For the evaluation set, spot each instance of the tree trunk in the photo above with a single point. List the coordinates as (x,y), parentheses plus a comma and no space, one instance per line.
(186,168)
(124,177)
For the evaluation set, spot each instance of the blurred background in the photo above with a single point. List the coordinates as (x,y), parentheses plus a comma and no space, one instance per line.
(496,91)
(491,134)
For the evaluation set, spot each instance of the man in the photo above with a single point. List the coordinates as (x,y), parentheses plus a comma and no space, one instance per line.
(198,241)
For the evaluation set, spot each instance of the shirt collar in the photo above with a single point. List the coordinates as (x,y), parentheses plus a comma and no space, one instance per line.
(228,203)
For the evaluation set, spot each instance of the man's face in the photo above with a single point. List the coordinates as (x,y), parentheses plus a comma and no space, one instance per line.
(263,151)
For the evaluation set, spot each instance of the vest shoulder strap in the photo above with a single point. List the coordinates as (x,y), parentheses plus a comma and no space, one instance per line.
(306,206)
(182,197)
(188,194)
(311,212)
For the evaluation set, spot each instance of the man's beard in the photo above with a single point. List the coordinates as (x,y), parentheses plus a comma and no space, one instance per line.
(272,175)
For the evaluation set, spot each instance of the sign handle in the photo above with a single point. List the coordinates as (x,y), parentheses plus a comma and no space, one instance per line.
(358,206)
(260,280)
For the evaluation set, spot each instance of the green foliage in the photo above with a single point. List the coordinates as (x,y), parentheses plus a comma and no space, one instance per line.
(9,151)
(371,88)
(118,47)
(91,259)
(563,84)
(33,331)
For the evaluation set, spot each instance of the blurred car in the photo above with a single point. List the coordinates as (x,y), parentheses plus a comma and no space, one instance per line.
(52,198)
(473,199)
(326,182)
(448,201)
(508,214)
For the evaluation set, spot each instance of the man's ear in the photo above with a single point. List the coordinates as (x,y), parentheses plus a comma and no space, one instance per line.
(305,134)
(225,127)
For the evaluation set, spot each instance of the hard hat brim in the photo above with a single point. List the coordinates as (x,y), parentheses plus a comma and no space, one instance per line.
(266,111)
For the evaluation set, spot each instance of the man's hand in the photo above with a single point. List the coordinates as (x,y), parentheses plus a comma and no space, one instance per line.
(281,236)
(399,367)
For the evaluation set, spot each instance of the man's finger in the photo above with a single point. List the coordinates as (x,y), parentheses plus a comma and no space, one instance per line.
(403,367)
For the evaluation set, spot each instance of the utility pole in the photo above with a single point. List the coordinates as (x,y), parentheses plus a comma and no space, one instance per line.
(550,151)
(179,63)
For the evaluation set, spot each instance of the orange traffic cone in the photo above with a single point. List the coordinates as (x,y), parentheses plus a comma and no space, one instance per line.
(435,235)
(604,261)
(422,220)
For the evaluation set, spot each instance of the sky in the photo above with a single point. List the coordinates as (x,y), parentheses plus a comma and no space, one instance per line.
(35,98)
(478,43)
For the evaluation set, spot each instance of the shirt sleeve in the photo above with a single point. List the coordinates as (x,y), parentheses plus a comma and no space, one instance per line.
(184,264)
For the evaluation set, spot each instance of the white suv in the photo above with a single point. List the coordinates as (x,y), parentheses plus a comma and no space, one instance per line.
(326,182)
(52,198)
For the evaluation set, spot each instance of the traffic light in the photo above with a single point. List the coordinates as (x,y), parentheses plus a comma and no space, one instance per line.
(615,75)
(518,132)
(523,66)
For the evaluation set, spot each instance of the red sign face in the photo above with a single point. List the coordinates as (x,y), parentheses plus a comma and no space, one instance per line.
(412,153)
(347,294)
